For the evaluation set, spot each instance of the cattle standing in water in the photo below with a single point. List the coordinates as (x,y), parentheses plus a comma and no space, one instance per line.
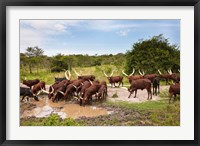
(36,89)
(140,84)
(27,92)
(114,79)
(174,90)
(30,83)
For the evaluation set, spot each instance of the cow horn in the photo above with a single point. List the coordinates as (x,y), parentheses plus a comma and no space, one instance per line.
(45,91)
(143,73)
(159,72)
(140,73)
(75,97)
(170,71)
(132,72)
(112,73)
(39,92)
(52,90)
(76,73)
(105,74)
(81,97)
(61,92)
(178,70)
(90,82)
(75,86)
(24,78)
(124,73)
(67,77)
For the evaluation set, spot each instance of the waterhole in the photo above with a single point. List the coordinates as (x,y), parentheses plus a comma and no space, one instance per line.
(45,107)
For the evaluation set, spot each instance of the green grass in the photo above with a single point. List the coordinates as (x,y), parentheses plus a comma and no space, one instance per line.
(53,120)
(48,77)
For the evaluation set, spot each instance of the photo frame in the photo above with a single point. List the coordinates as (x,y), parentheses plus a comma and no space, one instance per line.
(103,3)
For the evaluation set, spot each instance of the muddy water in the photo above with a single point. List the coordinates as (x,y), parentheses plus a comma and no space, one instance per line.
(45,107)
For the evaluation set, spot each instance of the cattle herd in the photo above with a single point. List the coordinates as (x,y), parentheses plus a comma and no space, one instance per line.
(85,88)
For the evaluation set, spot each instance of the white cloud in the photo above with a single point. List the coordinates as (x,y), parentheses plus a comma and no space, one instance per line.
(123,32)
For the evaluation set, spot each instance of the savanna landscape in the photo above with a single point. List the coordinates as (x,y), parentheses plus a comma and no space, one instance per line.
(139,86)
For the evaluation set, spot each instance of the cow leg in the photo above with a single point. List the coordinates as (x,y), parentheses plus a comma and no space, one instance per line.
(159,88)
(130,95)
(156,91)
(135,93)
(174,97)
(170,97)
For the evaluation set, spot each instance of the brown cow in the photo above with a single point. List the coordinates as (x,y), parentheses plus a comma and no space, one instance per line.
(140,84)
(174,90)
(114,79)
(36,89)
(30,83)
(133,77)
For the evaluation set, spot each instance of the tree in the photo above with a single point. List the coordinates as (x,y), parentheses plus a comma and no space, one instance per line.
(34,56)
(152,54)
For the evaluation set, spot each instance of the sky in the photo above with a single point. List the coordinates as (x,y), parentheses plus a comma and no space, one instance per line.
(93,36)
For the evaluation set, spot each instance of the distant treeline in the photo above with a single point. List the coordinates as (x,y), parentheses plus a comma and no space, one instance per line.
(148,55)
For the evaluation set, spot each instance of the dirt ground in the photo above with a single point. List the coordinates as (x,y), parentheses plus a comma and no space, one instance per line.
(45,107)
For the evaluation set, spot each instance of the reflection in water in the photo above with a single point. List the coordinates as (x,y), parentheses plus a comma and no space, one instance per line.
(45,107)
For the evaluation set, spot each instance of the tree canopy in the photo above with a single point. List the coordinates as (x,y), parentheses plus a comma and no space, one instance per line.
(152,54)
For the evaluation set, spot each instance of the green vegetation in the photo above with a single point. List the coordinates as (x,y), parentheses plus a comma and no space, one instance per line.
(53,120)
(152,54)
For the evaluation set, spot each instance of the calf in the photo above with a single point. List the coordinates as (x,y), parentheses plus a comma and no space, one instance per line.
(140,84)
(27,92)
(30,83)
(174,90)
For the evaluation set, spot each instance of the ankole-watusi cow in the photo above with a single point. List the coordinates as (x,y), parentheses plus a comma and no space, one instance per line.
(85,77)
(30,83)
(174,90)
(114,79)
(86,84)
(174,77)
(140,84)
(67,77)
(132,77)
(166,77)
(26,92)
(36,89)
(89,92)
(102,92)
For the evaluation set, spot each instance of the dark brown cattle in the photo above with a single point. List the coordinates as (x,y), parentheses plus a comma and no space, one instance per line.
(70,90)
(150,77)
(156,85)
(85,85)
(174,90)
(30,83)
(114,79)
(59,93)
(166,77)
(133,77)
(85,77)
(36,89)
(102,92)
(175,78)
(89,92)
(140,84)
(26,92)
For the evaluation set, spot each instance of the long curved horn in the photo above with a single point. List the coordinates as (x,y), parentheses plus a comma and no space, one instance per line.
(140,73)
(112,73)
(105,74)
(75,86)
(61,92)
(132,72)
(90,82)
(143,73)
(178,70)
(45,91)
(75,97)
(159,72)
(67,77)
(76,73)
(24,78)
(124,73)
(52,90)
(170,71)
